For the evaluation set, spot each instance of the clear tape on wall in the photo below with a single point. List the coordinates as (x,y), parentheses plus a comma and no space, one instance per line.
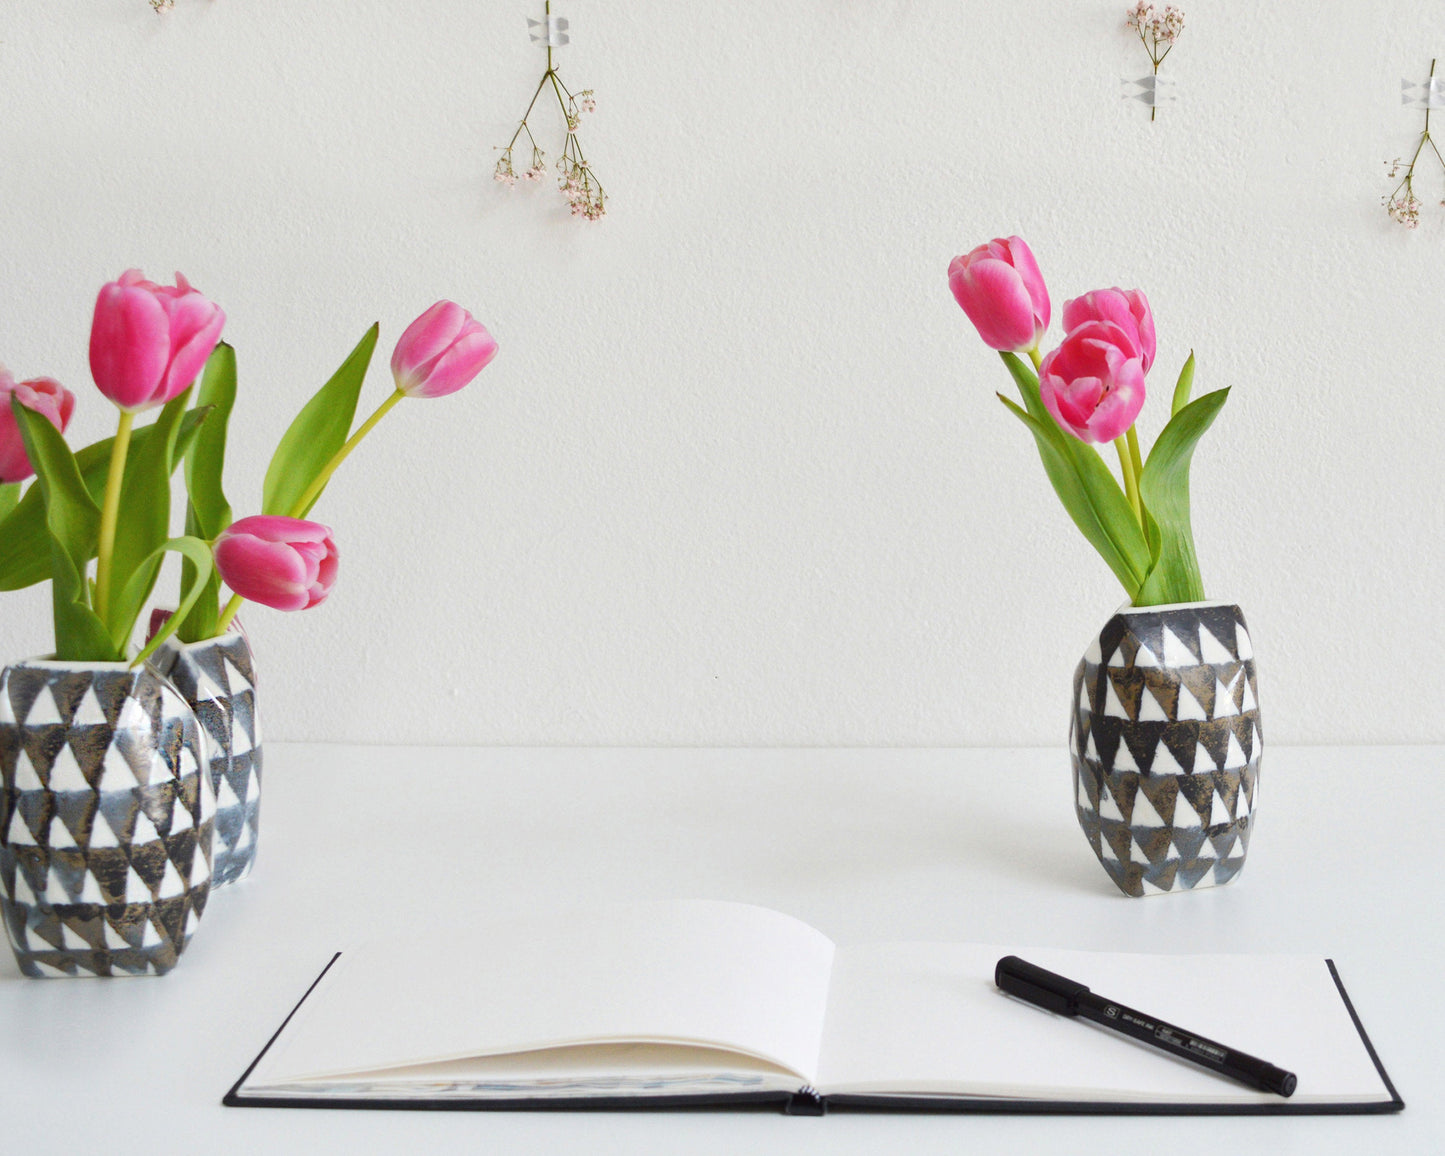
(553,31)
(1423,94)
(1152,90)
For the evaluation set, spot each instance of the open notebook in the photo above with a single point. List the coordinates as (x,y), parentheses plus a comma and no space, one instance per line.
(701,1002)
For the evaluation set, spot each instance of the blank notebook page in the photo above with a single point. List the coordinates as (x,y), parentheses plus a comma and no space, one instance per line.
(926,1017)
(727,973)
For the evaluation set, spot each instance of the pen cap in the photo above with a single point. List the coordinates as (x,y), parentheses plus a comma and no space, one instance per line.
(1046,989)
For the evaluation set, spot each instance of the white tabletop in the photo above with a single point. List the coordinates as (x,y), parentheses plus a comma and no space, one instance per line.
(864,844)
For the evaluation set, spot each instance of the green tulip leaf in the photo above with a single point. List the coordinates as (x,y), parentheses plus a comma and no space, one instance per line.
(9,499)
(207,511)
(198,566)
(24,540)
(1164,488)
(1088,491)
(1183,386)
(1092,499)
(143,525)
(72,524)
(320,429)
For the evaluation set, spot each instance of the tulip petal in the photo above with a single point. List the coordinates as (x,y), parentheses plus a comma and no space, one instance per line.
(129,345)
(458,365)
(426,339)
(270,573)
(997,302)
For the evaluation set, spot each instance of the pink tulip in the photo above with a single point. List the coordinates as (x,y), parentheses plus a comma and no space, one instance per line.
(45,396)
(441,351)
(1093,383)
(1126,308)
(285,563)
(1001,289)
(148,342)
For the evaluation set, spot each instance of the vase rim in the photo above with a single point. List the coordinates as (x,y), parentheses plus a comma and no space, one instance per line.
(173,640)
(50,662)
(1208,604)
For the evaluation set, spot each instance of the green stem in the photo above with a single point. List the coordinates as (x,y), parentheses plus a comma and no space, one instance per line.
(1134,455)
(313,491)
(1131,483)
(110,515)
(228,614)
(1035,358)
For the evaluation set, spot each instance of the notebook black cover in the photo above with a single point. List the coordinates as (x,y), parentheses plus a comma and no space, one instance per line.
(807,1102)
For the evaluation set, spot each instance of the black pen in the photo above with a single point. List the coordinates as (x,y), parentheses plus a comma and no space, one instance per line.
(1066,997)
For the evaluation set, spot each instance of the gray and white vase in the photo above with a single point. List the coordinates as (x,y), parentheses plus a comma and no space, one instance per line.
(1166,743)
(217,678)
(106,819)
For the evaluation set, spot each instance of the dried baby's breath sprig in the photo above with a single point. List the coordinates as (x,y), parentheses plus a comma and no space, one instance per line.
(575,179)
(1402,204)
(1157,32)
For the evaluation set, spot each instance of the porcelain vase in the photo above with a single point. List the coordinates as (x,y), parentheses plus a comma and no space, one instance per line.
(1166,744)
(106,819)
(217,678)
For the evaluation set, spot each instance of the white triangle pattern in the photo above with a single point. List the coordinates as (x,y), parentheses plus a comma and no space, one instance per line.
(44,711)
(180,819)
(240,741)
(25,777)
(1248,702)
(240,683)
(1189,706)
(90,890)
(65,773)
(145,831)
(100,833)
(1223,701)
(1108,809)
(171,884)
(1234,759)
(1218,813)
(1175,652)
(1145,657)
(151,938)
(88,713)
(115,774)
(1107,850)
(136,890)
(18,833)
(1203,760)
(113,939)
(253,787)
(60,836)
(1112,705)
(1145,814)
(1124,759)
(1211,649)
(7,712)
(1242,643)
(1149,708)
(1165,763)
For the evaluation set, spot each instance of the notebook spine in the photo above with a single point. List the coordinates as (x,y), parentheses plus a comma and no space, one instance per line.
(806,1101)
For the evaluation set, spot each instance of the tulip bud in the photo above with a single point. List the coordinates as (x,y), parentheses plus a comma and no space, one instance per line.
(45,396)
(1093,383)
(440,352)
(1001,289)
(1126,308)
(284,563)
(148,342)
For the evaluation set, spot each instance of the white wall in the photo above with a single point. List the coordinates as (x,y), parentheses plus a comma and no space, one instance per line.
(737,475)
